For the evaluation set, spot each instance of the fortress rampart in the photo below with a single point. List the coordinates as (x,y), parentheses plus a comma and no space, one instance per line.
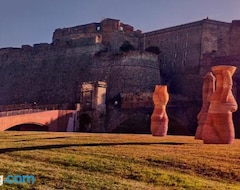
(127,73)
(53,73)
(109,32)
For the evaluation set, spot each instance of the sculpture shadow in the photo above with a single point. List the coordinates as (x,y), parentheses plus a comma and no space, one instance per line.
(47,147)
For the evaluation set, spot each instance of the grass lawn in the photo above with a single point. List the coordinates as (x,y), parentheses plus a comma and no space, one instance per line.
(117,161)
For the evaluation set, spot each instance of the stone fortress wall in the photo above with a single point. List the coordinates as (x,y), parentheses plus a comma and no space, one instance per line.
(45,73)
(187,53)
(129,73)
(110,32)
(52,73)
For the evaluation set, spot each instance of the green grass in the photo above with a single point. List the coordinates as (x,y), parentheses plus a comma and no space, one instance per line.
(117,161)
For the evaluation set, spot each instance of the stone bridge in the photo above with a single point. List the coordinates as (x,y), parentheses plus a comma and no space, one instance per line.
(33,117)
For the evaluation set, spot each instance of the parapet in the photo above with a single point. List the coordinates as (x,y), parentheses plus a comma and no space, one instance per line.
(236,23)
(9,50)
(42,46)
(136,100)
(93,30)
(27,47)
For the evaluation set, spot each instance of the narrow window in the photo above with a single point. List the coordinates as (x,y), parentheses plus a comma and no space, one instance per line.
(98,28)
(176,37)
(148,42)
(184,63)
(174,66)
(185,54)
(98,39)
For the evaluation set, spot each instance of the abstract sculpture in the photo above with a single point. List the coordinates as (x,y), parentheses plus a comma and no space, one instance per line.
(159,118)
(207,90)
(219,128)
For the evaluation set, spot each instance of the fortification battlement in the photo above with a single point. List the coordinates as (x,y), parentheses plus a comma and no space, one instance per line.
(236,23)
(93,30)
(185,26)
(78,36)
(25,49)
(111,33)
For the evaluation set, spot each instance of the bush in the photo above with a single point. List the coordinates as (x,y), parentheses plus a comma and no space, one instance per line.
(153,49)
(126,46)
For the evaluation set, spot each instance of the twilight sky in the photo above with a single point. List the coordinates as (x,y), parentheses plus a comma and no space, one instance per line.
(34,21)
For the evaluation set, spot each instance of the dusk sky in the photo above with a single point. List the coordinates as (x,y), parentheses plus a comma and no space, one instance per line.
(34,21)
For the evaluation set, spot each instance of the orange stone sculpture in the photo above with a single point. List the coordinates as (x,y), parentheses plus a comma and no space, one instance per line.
(219,128)
(159,118)
(207,90)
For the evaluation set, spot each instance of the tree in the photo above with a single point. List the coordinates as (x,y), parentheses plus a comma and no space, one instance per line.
(126,46)
(153,49)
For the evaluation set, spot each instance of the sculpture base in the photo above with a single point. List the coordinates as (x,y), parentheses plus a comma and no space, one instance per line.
(218,129)
(159,125)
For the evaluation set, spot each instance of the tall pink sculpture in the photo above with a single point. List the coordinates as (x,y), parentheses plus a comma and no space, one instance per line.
(159,118)
(207,90)
(219,128)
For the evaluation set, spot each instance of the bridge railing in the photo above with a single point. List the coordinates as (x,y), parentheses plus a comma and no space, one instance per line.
(10,110)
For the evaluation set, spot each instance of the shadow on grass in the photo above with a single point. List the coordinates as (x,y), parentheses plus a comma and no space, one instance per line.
(49,138)
(34,133)
(46,147)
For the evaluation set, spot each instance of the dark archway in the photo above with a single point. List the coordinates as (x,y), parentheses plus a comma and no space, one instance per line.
(176,128)
(29,127)
(139,123)
(84,123)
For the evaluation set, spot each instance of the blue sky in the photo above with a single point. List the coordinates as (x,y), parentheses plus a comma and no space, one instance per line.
(34,21)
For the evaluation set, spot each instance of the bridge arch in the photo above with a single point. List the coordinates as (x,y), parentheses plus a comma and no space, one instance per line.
(56,120)
(137,122)
(28,127)
(85,121)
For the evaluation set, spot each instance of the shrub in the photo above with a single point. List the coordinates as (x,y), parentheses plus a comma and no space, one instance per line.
(126,46)
(153,49)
